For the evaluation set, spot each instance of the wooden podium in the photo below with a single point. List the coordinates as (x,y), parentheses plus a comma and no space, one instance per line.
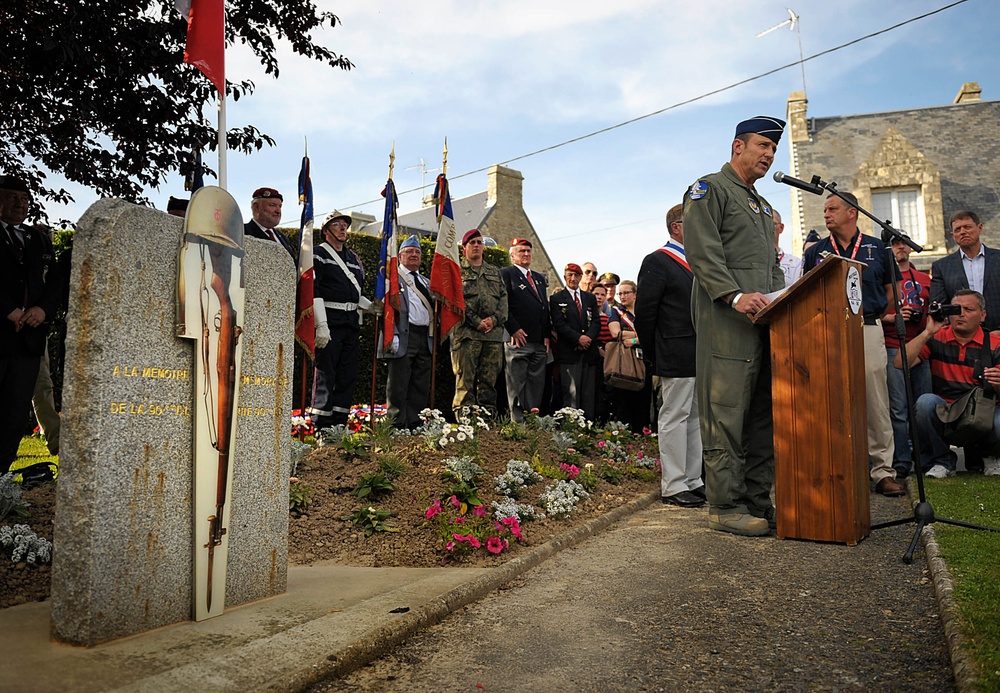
(818,388)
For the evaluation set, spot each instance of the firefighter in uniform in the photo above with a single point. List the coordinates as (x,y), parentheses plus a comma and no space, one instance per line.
(729,242)
(477,341)
(338,305)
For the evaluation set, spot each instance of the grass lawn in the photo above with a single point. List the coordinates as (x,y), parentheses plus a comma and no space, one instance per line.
(973,558)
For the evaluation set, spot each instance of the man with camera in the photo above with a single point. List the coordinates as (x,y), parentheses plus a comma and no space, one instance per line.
(845,240)
(914,299)
(955,354)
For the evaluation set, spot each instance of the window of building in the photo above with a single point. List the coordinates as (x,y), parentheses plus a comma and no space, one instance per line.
(904,207)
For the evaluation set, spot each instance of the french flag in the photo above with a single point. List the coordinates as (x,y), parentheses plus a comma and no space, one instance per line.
(305,318)
(206,38)
(446,272)
(387,279)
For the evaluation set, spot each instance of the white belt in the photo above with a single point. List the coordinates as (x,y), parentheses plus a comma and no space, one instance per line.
(341,306)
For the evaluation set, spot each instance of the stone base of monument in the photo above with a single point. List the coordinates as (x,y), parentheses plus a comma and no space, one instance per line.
(124,535)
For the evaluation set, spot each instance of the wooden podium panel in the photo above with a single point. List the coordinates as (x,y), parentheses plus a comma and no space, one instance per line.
(818,389)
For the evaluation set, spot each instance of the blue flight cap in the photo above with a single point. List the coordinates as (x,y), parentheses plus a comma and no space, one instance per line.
(411,242)
(771,128)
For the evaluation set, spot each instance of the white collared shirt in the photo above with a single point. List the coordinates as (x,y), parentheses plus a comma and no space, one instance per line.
(418,311)
(975,268)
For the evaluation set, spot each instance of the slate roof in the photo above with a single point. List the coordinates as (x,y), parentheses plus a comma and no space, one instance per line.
(470,212)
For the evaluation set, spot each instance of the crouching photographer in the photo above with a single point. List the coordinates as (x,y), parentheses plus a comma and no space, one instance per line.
(965,379)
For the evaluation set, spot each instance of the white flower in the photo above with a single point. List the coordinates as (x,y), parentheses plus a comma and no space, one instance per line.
(461,436)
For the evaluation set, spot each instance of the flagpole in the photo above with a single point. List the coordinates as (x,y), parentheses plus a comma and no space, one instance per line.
(437,302)
(222,113)
(380,321)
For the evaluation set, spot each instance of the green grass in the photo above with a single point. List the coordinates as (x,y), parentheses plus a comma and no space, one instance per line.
(973,557)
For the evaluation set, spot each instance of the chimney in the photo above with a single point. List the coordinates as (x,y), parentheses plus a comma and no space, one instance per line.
(504,184)
(969,93)
(798,128)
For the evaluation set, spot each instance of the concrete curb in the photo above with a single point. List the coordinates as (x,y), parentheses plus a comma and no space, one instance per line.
(962,664)
(382,640)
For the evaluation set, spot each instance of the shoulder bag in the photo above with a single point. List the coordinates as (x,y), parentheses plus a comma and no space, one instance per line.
(969,418)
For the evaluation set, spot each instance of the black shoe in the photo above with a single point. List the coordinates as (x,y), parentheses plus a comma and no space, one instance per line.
(684,499)
(700,491)
(902,471)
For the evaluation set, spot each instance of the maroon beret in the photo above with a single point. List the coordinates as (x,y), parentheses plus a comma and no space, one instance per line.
(573,267)
(470,234)
(520,241)
(267,193)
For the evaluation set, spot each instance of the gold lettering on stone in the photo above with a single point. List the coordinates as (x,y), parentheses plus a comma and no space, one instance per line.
(263,380)
(151,372)
(254,411)
(149,409)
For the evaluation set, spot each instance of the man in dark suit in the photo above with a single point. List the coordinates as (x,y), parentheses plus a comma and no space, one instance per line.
(29,295)
(666,333)
(576,320)
(528,326)
(409,356)
(266,210)
(972,266)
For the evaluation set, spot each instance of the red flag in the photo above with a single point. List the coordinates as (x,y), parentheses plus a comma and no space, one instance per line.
(387,280)
(206,38)
(446,272)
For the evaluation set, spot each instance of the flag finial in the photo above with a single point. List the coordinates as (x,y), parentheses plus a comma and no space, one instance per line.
(392,158)
(444,161)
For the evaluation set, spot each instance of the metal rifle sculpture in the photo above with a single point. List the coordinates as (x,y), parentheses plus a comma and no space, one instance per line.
(210,301)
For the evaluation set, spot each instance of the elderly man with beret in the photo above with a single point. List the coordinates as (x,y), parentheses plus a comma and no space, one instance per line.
(409,383)
(477,342)
(337,287)
(30,288)
(576,321)
(266,210)
(729,245)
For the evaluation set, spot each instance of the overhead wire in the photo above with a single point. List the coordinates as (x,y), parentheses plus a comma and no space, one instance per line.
(679,104)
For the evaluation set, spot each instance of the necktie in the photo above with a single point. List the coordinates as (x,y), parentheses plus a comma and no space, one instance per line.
(579,306)
(420,287)
(531,282)
(270,232)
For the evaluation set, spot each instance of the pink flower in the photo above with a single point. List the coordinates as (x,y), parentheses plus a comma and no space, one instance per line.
(497,526)
(534,410)
(459,520)
(454,501)
(600,443)
(494,545)
(479,511)
(460,537)
(433,510)
(506,543)
(475,542)
(450,546)
(646,431)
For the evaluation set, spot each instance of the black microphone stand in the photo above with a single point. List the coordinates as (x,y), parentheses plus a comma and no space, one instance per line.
(923,512)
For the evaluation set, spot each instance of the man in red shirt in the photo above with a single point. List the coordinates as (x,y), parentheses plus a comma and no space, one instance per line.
(955,354)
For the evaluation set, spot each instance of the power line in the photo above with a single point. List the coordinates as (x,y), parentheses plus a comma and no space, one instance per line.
(686,102)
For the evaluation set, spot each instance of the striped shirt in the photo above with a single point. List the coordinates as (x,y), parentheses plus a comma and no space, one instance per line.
(956,368)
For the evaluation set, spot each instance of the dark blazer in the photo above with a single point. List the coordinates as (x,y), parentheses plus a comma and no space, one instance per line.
(663,316)
(31,281)
(569,325)
(948,276)
(526,309)
(252,228)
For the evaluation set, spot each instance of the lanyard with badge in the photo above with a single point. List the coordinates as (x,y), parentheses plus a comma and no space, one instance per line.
(854,252)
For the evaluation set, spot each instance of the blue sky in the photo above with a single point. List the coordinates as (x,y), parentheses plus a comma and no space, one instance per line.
(504,79)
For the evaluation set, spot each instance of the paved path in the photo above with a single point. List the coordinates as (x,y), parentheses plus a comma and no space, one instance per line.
(659,602)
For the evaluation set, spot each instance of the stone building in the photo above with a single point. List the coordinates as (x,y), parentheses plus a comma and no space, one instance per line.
(498,213)
(915,167)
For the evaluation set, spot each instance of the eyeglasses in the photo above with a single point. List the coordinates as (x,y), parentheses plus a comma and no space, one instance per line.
(586,271)
(625,293)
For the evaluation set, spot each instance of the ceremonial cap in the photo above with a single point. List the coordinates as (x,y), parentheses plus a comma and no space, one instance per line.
(812,237)
(769,127)
(573,267)
(410,242)
(267,193)
(470,234)
(334,215)
(610,278)
(13,183)
(178,204)
(520,241)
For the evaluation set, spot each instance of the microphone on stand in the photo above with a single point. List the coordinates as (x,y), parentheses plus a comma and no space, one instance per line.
(800,184)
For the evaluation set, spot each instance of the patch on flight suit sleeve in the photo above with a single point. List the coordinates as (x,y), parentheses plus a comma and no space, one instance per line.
(698,190)
(767,210)
(753,205)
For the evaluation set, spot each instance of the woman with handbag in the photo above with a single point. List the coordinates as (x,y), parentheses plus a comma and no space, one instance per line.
(631,406)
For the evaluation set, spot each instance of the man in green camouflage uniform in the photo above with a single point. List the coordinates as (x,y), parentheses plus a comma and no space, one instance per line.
(729,243)
(477,341)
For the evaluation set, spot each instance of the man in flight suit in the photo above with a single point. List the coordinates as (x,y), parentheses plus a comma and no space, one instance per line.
(729,244)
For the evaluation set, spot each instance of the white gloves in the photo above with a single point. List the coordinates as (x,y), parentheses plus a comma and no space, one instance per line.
(322,335)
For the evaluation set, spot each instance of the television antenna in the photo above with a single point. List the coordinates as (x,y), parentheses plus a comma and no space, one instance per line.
(793,24)
(423,174)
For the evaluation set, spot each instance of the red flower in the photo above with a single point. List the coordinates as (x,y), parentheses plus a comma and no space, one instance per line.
(494,545)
